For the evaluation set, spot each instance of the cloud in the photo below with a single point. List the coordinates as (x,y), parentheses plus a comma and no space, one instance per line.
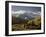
(18,12)
(37,13)
(26,13)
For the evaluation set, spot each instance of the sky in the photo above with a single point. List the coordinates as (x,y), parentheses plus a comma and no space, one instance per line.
(23,9)
(17,8)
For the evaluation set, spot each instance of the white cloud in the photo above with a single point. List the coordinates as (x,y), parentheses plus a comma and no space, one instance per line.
(30,13)
(38,13)
(19,12)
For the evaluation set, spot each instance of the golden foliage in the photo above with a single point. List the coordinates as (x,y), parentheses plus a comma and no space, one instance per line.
(37,20)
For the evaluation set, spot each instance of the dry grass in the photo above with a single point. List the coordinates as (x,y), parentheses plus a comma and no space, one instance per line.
(29,25)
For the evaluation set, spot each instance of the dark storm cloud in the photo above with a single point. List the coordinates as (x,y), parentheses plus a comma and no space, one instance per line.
(26,8)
